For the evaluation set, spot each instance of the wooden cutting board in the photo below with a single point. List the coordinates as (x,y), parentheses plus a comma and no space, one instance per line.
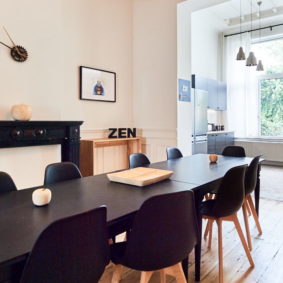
(140,176)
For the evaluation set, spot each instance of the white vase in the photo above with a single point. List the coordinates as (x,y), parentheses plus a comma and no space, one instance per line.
(21,112)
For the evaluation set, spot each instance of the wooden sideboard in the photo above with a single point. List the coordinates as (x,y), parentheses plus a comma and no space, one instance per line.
(99,156)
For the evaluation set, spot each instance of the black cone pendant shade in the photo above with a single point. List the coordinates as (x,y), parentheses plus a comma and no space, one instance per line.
(241,54)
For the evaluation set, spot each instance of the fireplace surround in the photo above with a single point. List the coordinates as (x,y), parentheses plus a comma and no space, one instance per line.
(33,133)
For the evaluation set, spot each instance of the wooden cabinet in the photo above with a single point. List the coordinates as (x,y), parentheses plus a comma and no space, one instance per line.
(218,141)
(99,156)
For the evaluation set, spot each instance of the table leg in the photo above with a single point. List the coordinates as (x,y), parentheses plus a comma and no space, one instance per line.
(257,190)
(198,200)
(185,266)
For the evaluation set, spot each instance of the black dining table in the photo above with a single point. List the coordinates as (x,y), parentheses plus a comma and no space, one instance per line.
(21,222)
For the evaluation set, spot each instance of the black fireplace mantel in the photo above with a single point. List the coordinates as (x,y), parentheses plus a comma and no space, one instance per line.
(33,133)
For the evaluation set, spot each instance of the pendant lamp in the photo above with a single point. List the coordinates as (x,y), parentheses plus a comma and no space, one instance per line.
(241,54)
(259,67)
(251,61)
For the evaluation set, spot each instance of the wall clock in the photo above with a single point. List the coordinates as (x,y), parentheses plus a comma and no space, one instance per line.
(18,53)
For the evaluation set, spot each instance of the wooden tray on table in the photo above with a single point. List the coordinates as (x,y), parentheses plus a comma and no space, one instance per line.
(140,176)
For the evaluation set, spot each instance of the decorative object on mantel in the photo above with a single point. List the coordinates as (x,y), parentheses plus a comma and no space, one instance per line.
(213,158)
(17,52)
(140,176)
(97,85)
(21,112)
(241,54)
(116,133)
(41,197)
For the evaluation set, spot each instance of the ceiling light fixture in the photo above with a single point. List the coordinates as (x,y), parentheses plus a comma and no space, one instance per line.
(259,65)
(241,54)
(251,61)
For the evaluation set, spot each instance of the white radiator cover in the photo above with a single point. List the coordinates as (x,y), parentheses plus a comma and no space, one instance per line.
(270,150)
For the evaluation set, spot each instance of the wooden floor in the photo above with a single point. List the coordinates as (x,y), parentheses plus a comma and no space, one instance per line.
(267,253)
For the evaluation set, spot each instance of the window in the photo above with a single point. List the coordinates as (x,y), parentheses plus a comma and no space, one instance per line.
(271,87)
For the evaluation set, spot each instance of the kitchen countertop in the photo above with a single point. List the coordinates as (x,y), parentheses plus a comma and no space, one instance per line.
(218,132)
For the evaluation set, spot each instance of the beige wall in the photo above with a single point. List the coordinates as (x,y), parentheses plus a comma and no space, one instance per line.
(155,73)
(61,35)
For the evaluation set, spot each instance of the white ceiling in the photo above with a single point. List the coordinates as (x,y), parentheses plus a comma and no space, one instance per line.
(229,11)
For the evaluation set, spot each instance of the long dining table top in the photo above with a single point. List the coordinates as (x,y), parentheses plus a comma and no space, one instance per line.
(21,222)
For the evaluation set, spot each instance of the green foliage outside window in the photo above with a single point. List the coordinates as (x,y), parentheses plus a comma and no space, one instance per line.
(271,89)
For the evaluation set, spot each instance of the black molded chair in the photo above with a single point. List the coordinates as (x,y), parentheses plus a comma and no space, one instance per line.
(234,150)
(6,183)
(138,160)
(164,232)
(250,184)
(231,150)
(74,249)
(224,207)
(173,152)
(62,171)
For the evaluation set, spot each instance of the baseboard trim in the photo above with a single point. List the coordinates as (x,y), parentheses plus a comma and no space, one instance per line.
(272,163)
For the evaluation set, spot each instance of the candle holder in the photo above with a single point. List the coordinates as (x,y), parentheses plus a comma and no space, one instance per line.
(213,158)
(41,197)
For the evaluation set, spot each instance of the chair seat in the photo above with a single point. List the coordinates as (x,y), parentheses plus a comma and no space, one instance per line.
(206,207)
(117,252)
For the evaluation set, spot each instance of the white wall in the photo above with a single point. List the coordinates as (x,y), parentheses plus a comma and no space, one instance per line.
(206,45)
(154,73)
(198,49)
(61,35)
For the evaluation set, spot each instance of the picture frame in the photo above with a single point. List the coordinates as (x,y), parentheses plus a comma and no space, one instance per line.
(97,84)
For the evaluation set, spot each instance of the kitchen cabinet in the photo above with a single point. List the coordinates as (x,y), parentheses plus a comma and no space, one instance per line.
(212,94)
(218,141)
(221,96)
(217,95)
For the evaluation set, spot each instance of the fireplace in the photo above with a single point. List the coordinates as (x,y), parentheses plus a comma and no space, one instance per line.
(32,133)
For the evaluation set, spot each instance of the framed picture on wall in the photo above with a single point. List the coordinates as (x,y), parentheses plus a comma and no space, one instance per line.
(97,85)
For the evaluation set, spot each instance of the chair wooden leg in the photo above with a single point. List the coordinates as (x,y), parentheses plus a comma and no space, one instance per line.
(145,276)
(176,271)
(252,207)
(247,226)
(210,222)
(162,276)
(116,277)
(220,250)
(206,230)
(248,209)
(242,238)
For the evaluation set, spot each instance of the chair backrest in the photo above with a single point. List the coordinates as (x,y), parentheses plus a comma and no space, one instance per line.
(138,160)
(164,232)
(231,193)
(235,151)
(173,152)
(251,176)
(6,183)
(62,171)
(74,249)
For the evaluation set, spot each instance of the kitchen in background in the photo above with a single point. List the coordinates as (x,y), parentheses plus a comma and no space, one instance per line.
(209,98)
